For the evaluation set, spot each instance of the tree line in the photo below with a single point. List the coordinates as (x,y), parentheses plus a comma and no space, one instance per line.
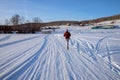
(19,24)
(17,20)
(114,17)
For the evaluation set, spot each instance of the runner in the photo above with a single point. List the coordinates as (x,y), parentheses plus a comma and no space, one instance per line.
(67,36)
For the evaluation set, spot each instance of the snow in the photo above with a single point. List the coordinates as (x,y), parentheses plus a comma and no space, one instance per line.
(92,55)
(115,22)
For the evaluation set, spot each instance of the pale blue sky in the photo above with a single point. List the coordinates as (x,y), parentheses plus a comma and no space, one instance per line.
(52,10)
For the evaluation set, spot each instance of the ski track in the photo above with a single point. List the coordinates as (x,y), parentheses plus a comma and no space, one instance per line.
(91,63)
(11,43)
(48,59)
(5,38)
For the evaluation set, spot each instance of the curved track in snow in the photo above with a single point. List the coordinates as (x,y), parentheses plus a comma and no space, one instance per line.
(45,57)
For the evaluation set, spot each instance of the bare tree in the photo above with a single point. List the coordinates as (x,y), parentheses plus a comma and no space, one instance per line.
(37,26)
(22,20)
(17,19)
(37,20)
(27,21)
(7,22)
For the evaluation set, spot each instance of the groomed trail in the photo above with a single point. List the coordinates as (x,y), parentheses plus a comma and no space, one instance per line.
(45,57)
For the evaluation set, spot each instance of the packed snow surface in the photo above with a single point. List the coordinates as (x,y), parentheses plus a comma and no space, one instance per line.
(92,55)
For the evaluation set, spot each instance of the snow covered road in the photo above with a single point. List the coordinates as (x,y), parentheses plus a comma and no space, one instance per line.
(45,57)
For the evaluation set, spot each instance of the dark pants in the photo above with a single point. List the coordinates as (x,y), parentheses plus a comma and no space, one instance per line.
(67,43)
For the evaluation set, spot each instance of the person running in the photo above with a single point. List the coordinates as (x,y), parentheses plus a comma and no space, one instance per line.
(67,36)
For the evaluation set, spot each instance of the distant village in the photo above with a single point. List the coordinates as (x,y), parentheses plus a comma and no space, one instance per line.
(37,25)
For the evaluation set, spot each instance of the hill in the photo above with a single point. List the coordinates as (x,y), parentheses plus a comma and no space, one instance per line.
(33,27)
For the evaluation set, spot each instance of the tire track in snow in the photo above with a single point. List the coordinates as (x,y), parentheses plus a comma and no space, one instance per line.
(38,72)
(23,48)
(107,67)
(5,38)
(14,74)
(74,65)
(46,71)
(2,66)
(63,74)
(11,43)
(54,62)
(97,48)
(75,59)
(89,69)
(70,66)
(84,46)
(111,65)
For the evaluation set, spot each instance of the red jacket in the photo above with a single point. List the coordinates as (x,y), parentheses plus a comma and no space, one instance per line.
(67,35)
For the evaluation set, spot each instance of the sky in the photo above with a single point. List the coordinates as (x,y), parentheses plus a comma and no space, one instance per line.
(58,10)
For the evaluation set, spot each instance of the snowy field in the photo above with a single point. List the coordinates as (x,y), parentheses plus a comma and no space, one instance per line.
(92,55)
